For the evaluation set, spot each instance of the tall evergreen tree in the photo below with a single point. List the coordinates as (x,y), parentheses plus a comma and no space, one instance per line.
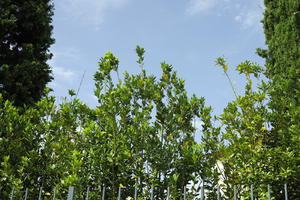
(25,38)
(282,31)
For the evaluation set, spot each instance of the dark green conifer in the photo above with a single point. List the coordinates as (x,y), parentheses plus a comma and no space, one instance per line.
(25,38)
(282,31)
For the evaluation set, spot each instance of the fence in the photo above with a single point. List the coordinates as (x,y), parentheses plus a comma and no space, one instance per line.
(71,194)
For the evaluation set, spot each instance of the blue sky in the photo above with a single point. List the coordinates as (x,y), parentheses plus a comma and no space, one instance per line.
(189,34)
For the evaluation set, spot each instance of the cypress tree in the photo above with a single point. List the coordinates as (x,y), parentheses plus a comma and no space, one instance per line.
(282,31)
(25,38)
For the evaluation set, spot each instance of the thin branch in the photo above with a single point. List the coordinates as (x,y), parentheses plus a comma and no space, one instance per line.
(82,77)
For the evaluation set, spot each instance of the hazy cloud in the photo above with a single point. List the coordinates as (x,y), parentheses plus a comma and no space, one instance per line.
(63,73)
(197,6)
(248,14)
(61,62)
(89,11)
(249,18)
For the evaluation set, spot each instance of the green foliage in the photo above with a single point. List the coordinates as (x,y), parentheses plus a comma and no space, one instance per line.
(141,133)
(282,31)
(140,52)
(25,37)
(72,93)
(259,136)
(147,125)
(244,151)
(244,130)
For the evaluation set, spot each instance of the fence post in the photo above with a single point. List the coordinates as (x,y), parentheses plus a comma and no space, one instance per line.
(119,194)
(251,192)
(70,193)
(184,193)
(234,192)
(87,193)
(12,193)
(152,191)
(269,192)
(26,194)
(54,193)
(168,193)
(285,192)
(40,193)
(103,193)
(135,192)
(202,191)
(218,192)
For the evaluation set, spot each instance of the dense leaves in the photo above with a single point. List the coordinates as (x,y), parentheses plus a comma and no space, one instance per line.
(141,134)
(25,37)
(259,134)
(282,31)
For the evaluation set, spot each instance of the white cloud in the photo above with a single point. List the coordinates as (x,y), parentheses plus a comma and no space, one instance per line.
(89,11)
(63,73)
(248,14)
(61,62)
(197,6)
(238,18)
(249,19)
